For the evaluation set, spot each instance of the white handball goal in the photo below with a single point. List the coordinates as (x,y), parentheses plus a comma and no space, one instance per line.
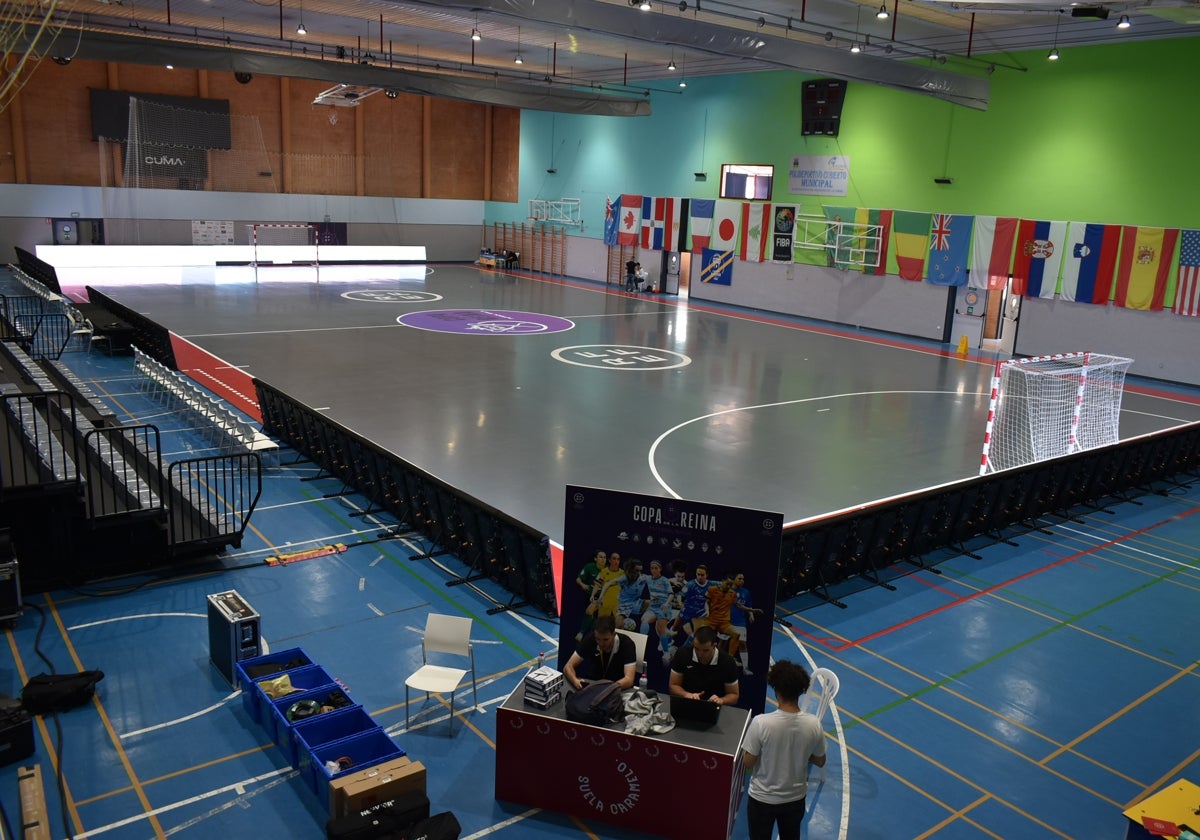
(284,243)
(1047,406)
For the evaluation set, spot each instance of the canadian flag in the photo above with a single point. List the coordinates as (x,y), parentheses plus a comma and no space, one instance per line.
(629,223)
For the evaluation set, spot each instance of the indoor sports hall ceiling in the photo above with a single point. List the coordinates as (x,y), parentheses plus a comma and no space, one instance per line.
(576,52)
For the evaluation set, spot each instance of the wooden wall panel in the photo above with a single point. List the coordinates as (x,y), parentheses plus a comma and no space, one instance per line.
(57,113)
(8,166)
(393,145)
(506,154)
(257,119)
(457,148)
(321,142)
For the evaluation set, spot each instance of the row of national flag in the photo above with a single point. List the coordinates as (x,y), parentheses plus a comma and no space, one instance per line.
(1129,266)
(653,223)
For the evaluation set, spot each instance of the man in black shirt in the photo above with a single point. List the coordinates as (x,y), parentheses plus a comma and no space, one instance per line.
(702,672)
(604,654)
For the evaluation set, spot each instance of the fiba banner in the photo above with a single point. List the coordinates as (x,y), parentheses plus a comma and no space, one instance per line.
(665,567)
(785,230)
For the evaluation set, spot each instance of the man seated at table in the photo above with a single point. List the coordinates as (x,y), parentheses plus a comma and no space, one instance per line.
(702,672)
(604,654)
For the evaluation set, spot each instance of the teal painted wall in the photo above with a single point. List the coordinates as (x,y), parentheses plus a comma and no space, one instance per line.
(1106,134)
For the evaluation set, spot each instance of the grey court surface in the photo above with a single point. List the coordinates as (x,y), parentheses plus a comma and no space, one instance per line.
(512,387)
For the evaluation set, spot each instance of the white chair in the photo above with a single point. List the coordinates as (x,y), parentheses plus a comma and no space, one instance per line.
(448,634)
(639,647)
(825,685)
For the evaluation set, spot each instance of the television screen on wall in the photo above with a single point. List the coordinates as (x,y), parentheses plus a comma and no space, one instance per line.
(747,181)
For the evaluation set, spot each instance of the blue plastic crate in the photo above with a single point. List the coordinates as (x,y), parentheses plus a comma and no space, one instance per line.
(310,733)
(275,720)
(253,700)
(361,751)
(301,679)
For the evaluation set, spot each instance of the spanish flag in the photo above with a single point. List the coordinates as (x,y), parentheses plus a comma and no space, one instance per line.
(1145,264)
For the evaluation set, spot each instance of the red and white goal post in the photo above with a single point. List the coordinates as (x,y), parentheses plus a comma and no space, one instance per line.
(284,244)
(1047,406)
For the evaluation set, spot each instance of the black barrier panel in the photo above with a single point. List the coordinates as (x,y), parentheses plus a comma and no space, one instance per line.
(147,336)
(821,553)
(487,541)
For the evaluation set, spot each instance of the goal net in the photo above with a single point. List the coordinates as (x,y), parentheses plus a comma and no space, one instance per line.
(279,243)
(1048,406)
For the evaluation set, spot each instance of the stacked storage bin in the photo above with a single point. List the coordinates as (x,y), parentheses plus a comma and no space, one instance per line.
(323,733)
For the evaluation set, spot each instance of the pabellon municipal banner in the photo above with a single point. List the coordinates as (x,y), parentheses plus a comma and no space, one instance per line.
(819,175)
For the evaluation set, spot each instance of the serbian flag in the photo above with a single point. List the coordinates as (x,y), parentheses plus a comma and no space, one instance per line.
(756,230)
(839,238)
(992,252)
(1144,266)
(647,222)
(874,228)
(1089,262)
(716,267)
(610,221)
(949,244)
(1187,290)
(700,233)
(629,220)
(1040,247)
(726,217)
(910,243)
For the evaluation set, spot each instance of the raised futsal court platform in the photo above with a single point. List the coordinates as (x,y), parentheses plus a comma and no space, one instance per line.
(510,387)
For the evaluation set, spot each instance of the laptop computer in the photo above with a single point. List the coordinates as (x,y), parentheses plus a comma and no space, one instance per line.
(700,714)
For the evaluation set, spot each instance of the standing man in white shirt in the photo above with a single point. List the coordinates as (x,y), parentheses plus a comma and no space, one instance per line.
(779,747)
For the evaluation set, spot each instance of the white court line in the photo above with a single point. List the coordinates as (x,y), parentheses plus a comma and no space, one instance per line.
(654,446)
(484,832)
(140,615)
(193,715)
(844,824)
(1124,546)
(285,774)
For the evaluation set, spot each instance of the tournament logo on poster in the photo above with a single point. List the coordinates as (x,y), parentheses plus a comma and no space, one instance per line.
(664,568)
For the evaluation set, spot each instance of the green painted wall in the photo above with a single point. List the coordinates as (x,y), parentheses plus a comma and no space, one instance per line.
(1106,134)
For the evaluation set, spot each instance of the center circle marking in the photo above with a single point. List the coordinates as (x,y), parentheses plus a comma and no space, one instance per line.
(391,296)
(621,357)
(485,322)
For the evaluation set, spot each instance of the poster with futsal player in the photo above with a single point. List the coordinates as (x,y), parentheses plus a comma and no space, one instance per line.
(666,567)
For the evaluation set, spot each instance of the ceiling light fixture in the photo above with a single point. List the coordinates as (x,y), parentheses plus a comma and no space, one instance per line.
(855,48)
(475,36)
(671,64)
(644,5)
(1124,23)
(683,74)
(519,59)
(300,30)
(882,14)
(1054,49)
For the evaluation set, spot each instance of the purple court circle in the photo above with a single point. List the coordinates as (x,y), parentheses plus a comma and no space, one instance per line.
(485,322)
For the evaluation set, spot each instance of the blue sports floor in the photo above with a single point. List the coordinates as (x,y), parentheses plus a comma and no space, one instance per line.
(1033,692)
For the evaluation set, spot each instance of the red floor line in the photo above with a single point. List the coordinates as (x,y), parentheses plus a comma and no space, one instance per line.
(966,598)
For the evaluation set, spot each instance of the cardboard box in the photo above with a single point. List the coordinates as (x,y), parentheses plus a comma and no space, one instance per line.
(361,790)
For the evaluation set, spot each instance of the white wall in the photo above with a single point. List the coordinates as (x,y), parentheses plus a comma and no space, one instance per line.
(1163,345)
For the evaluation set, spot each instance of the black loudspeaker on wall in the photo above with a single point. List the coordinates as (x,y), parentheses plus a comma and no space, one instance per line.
(821,108)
